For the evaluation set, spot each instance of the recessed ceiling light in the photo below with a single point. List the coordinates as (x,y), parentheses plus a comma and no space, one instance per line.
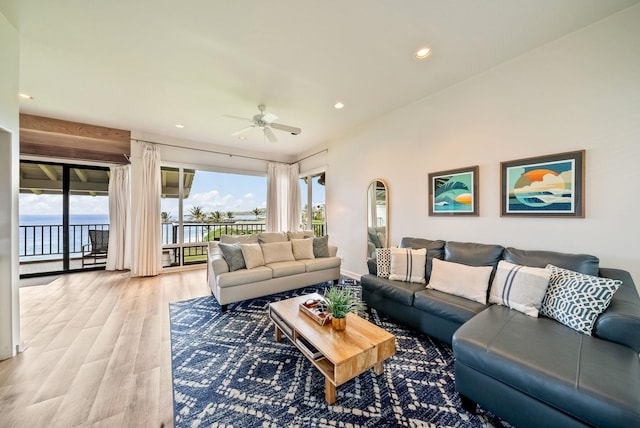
(242,137)
(338,105)
(25,96)
(179,126)
(423,53)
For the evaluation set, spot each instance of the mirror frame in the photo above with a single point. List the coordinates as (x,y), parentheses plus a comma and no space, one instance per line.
(384,183)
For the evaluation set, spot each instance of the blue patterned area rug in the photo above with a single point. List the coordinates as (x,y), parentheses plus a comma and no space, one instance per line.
(229,372)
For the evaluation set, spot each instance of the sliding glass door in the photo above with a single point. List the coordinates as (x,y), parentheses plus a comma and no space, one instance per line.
(62,209)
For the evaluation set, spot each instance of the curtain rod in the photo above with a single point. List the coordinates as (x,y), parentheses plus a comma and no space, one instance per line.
(227,154)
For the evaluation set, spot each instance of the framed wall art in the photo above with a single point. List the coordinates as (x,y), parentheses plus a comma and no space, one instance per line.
(454,192)
(544,186)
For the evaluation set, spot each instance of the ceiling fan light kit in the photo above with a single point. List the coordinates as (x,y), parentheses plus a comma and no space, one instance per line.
(265,121)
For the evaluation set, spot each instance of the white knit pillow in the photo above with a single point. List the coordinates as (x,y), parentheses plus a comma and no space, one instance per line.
(302,249)
(277,252)
(252,255)
(470,282)
(408,265)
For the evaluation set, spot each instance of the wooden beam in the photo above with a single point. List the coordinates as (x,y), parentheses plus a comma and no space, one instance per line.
(49,137)
(48,172)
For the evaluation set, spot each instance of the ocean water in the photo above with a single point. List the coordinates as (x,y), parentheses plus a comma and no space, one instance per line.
(41,236)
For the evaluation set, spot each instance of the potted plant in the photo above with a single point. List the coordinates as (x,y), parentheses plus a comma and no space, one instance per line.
(339,301)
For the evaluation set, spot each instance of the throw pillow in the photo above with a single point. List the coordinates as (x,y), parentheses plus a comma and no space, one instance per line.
(300,235)
(277,252)
(383,262)
(321,246)
(252,254)
(470,282)
(232,253)
(375,239)
(242,239)
(519,287)
(408,265)
(575,299)
(302,249)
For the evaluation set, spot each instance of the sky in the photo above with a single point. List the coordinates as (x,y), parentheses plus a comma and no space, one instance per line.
(213,191)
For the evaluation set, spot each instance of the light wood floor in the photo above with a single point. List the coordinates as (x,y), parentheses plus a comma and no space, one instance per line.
(97,351)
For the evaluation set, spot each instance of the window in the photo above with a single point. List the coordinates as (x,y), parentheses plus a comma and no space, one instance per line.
(59,205)
(199,206)
(312,197)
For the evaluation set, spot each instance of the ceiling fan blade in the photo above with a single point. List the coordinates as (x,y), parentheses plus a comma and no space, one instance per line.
(269,117)
(243,130)
(270,135)
(291,129)
(237,117)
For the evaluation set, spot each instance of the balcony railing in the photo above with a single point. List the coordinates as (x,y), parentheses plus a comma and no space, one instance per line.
(45,242)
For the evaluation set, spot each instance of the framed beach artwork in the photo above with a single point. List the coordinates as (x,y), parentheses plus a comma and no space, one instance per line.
(454,192)
(544,186)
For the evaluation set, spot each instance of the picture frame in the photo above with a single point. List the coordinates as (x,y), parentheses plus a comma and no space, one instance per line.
(543,186)
(454,192)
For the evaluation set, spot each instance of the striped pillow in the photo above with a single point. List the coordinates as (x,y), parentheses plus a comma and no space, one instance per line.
(408,265)
(519,287)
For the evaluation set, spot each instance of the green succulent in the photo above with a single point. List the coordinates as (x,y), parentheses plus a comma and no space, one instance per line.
(339,301)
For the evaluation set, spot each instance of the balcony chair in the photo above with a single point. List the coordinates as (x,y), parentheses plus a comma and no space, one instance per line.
(95,253)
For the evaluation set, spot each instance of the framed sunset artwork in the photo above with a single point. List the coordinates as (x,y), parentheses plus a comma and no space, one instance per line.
(544,186)
(454,192)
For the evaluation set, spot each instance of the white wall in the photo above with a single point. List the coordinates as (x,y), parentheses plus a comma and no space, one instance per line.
(9,176)
(579,92)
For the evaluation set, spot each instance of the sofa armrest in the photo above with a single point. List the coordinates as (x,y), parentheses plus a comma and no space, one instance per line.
(620,323)
(372,265)
(333,250)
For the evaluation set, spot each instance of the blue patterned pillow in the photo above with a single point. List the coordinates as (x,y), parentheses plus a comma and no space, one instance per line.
(575,299)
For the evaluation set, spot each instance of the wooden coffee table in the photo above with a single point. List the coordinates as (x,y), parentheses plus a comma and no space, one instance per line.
(339,355)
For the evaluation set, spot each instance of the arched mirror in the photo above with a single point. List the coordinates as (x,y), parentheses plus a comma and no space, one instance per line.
(377,216)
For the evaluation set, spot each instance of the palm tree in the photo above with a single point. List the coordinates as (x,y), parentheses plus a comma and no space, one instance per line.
(257,212)
(215,217)
(197,214)
(165,217)
(230,215)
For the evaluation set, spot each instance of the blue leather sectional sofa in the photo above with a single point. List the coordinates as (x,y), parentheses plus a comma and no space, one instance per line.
(529,371)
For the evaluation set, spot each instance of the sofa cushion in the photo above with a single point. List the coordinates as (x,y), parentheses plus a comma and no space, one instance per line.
(321,246)
(268,237)
(575,299)
(252,254)
(300,234)
(519,287)
(383,262)
(435,250)
(408,265)
(281,269)
(588,378)
(244,276)
(401,292)
(582,263)
(447,306)
(277,252)
(461,280)
(322,263)
(302,249)
(243,239)
(232,253)
(473,254)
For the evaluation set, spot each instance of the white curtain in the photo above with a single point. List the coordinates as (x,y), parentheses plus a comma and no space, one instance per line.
(119,254)
(283,197)
(146,236)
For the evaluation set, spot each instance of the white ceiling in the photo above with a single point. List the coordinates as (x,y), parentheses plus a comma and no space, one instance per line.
(147,65)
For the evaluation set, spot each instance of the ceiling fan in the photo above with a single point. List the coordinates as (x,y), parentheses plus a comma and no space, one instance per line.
(265,121)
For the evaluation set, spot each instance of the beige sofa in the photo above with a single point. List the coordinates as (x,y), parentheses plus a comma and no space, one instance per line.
(287,263)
